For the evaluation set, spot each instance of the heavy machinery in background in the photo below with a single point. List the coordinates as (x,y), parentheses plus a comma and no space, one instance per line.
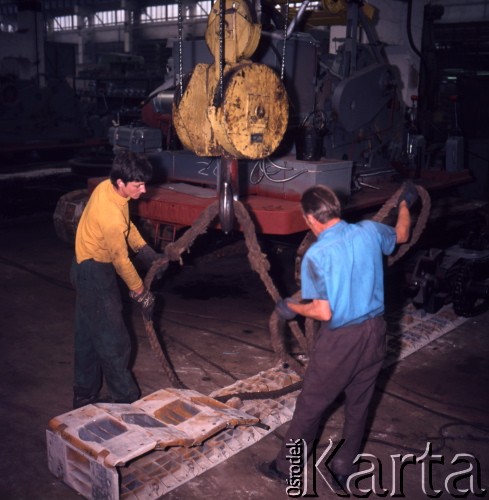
(458,274)
(32,116)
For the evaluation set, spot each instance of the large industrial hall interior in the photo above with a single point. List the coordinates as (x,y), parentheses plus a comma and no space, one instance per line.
(244,249)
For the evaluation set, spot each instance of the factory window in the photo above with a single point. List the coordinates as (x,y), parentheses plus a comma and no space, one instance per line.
(297,5)
(108,18)
(153,14)
(7,28)
(203,9)
(159,13)
(62,23)
(172,12)
(169,12)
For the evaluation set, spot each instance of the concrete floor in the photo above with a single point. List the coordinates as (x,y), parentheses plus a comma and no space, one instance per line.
(213,313)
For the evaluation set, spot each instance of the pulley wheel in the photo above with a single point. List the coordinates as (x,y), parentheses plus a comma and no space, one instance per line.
(251,118)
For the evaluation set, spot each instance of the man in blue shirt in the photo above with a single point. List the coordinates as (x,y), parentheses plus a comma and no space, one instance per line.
(343,288)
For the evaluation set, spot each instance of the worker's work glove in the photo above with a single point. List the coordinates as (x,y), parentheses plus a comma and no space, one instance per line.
(283,310)
(146,301)
(409,194)
(146,256)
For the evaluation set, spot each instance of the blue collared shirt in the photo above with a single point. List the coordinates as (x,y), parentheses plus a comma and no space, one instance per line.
(345,267)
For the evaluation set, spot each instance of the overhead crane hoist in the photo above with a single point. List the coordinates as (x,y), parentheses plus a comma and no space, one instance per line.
(233,108)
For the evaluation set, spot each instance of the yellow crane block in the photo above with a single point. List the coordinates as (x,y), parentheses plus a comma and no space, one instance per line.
(252,118)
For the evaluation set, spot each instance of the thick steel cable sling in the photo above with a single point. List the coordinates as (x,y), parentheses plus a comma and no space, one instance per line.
(260,264)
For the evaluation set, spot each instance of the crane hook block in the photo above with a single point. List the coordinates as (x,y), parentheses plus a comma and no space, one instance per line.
(234,107)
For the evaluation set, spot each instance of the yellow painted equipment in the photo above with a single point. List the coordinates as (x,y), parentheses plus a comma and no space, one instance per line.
(190,115)
(252,118)
(242,113)
(241,35)
(341,6)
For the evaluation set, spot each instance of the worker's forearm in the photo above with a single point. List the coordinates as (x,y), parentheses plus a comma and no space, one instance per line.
(403,225)
(315,309)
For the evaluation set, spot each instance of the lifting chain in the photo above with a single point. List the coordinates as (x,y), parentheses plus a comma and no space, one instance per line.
(286,27)
(180,48)
(222,23)
(260,264)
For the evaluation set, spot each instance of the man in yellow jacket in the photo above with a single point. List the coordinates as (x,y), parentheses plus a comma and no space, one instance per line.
(103,238)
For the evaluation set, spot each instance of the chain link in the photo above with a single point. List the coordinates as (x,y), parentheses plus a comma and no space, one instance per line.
(222,16)
(282,69)
(180,47)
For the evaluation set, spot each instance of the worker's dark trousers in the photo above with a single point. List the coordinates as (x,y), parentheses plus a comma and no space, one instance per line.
(346,359)
(102,343)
